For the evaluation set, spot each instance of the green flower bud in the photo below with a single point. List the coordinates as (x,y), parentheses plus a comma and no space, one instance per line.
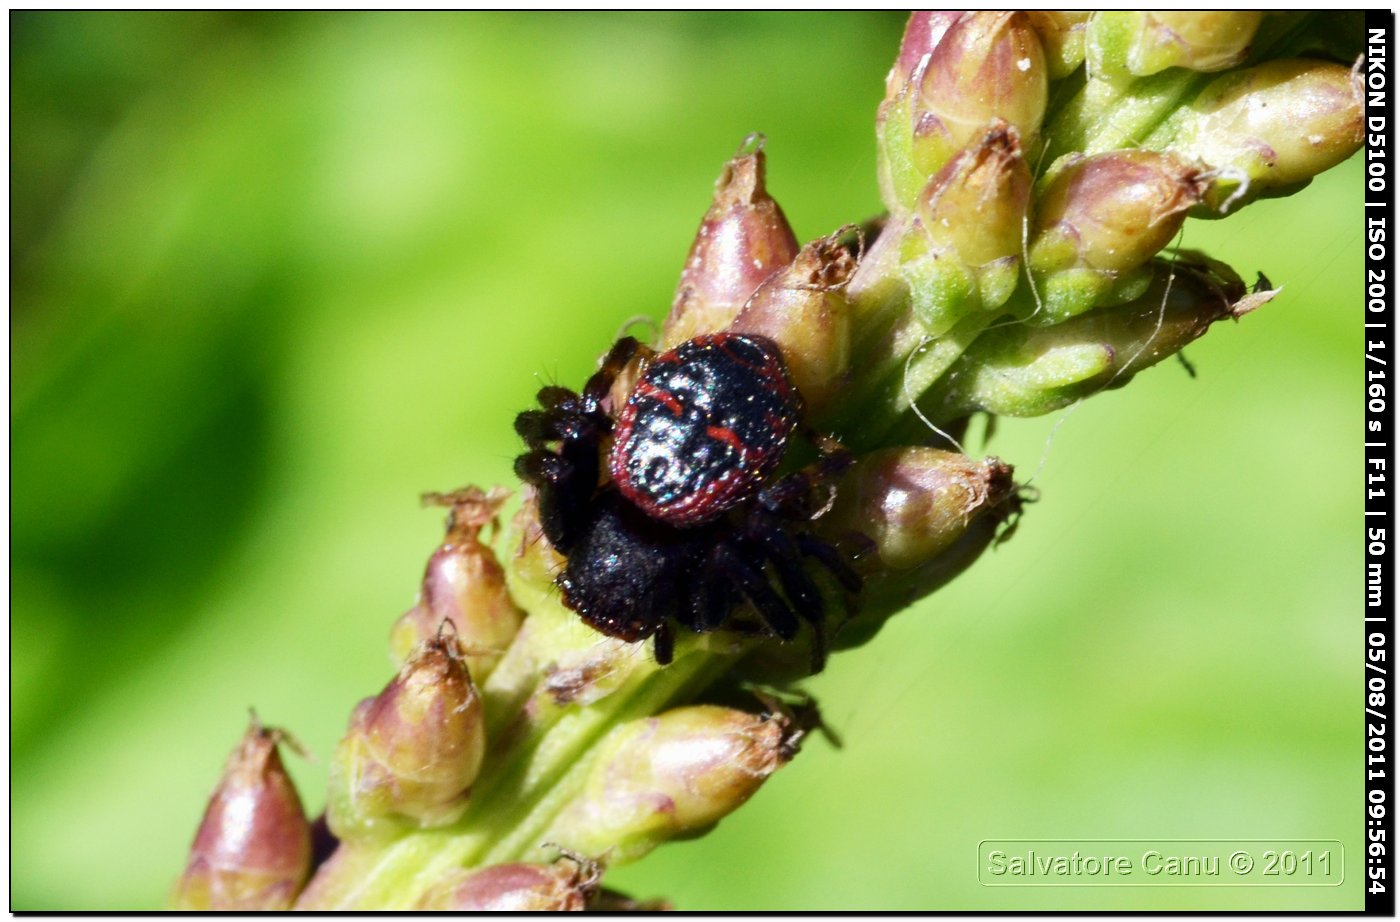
(253,847)
(894,120)
(954,266)
(1020,370)
(1126,44)
(985,66)
(1271,128)
(412,753)
(564,886)
(1062,35)
(463,584)
(803,310)
(676,774)
(1101,217)
(743,239)
(989,65)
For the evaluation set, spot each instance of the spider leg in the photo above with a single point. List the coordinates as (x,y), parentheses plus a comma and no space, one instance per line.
(798,585)
(537,427)
(754,586)
(709,601)
(554,397)
(791,496)
(829,557)
(663,644)
(565,483)
(623,351)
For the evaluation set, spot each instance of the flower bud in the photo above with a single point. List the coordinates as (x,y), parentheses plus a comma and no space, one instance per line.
(988,66)
(914,502)
(253,847)
(804,311)
(661,777)
(464,584)
(1020,370)
(928,514)
(564,886)
(1062,35)
(1272,126)
(743,239)
(1103,216)
(985,66)
(923,31)
(961,253)
(1123,44)
(412,753)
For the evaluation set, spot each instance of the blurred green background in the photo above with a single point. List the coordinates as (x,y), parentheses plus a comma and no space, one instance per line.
(275,274)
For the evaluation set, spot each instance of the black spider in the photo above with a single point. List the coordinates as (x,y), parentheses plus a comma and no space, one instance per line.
(689,521)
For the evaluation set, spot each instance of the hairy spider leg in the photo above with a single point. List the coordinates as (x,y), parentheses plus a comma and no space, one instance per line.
(754,586)
(826,555)
(791,497)
(555,397)
(622,352)
(802,593)
(710,599)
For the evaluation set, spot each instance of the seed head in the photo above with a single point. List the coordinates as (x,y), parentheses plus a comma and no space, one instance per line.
(1022,370)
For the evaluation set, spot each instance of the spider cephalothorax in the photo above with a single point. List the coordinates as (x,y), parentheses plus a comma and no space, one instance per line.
(690,520)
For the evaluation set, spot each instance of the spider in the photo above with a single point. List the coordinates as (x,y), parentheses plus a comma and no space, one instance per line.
(690,521)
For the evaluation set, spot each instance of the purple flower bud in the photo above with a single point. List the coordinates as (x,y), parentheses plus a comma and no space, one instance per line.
(803,310)
(465,585)
(913,503)
(989,65)
(253,847)
(411,753)
(924,30)
(743,239)
(660,777)
(564,886)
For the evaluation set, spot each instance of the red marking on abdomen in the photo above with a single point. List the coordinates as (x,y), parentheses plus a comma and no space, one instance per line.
(647,390)
(727,436)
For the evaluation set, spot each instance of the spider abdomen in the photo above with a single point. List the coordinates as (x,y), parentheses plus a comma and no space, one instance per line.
(704,427)
(622,577)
